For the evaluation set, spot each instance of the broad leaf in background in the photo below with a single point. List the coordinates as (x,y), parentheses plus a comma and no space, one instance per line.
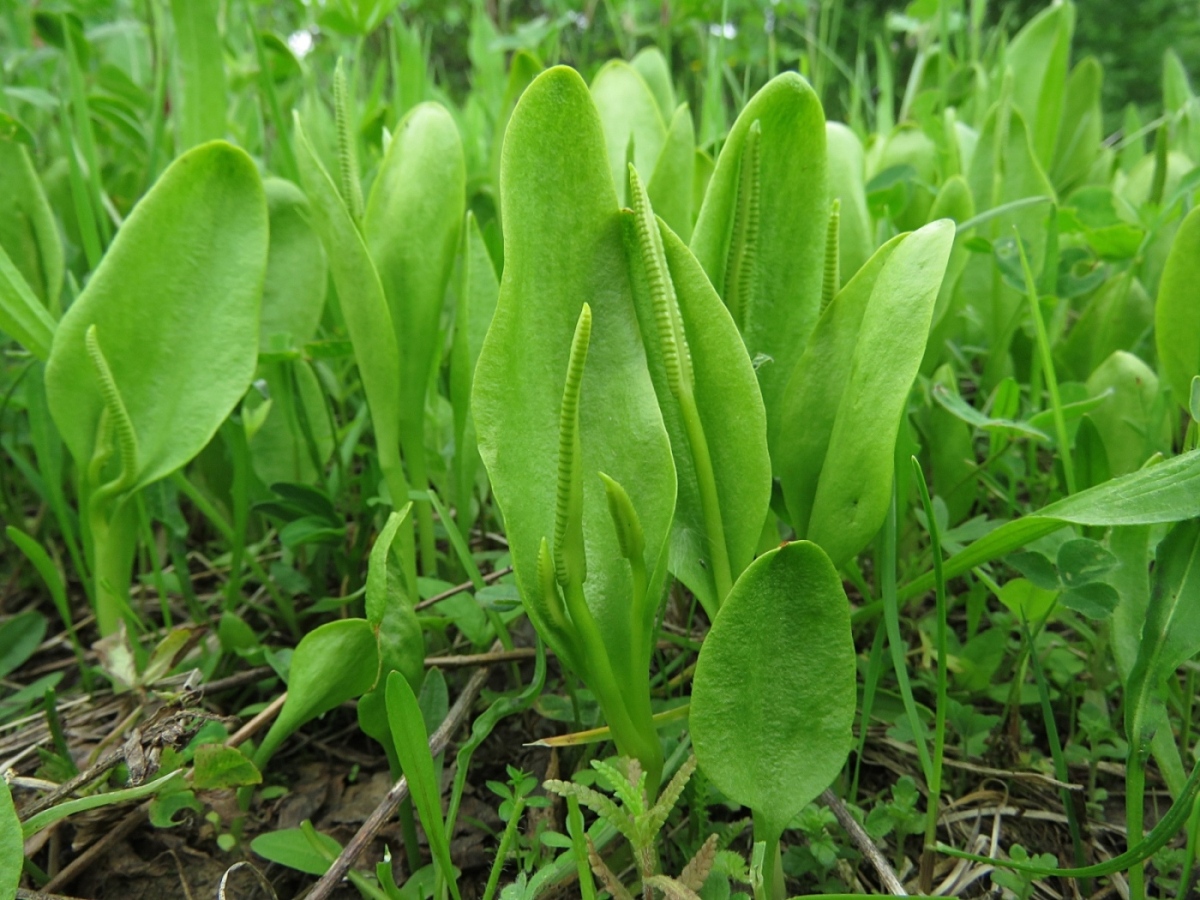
(292,303)
(199,71)
(760,234)
(1081,134)
(1039,56)
(1133,421)
(411,227)
(175,305)
(28,232)
(877,350)
(22,314)
(653,66)
(846,185)
(1177,314)
(634,128)
(366,314)
(478,291)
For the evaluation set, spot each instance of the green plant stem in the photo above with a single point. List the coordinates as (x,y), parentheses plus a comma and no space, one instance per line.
(114,540)
(397,485)
(578,833)
(939,727)
(870,683)
(1056,751)
(640,742)
(506,842)
(1135,793)
(408,833)
(714,528)
(1189,859)
(147,537)
(891,617)
(415,456)
(772,870)
(1047,357)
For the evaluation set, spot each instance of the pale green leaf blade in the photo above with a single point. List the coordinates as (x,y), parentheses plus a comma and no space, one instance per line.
(1038,56)
(563,245)
(814,392)
(855,487)
(793,208)
(331,664)
(411,227)
(671,186)
(297,270)
(1170,634)
(12,847)
(1177,313)
(652,65)
(28,232)
(731,413)
(478,291)
(175,303)
(362,302)
(199,71)
(774,692)
(22,315)
(629,115)
(846,183)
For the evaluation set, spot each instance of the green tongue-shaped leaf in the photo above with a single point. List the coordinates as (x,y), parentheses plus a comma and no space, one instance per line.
(175,303)
(779,251)
(774,694)
(563,247)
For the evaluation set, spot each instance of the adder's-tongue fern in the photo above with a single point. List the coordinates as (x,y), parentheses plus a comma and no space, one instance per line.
(677,358)
(351,186)
(116,414)
(741,270)
(833,275)
(569,560)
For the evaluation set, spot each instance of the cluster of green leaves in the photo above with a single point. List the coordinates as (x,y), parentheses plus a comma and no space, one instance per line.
(366,333)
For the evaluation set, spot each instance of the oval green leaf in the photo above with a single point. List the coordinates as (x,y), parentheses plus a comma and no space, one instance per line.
(774,692)
(175,303)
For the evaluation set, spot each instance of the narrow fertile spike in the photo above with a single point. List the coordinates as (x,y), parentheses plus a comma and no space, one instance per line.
(671,337)
(568,520)
(741,272)
(833,275)
(114,406)
(551,597)
(625,519)
(351,188)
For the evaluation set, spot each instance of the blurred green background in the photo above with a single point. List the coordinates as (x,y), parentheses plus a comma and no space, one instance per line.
(1129,37)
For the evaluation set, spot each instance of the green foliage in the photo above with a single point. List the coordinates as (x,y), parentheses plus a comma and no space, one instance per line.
(681,316)
(783,632)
